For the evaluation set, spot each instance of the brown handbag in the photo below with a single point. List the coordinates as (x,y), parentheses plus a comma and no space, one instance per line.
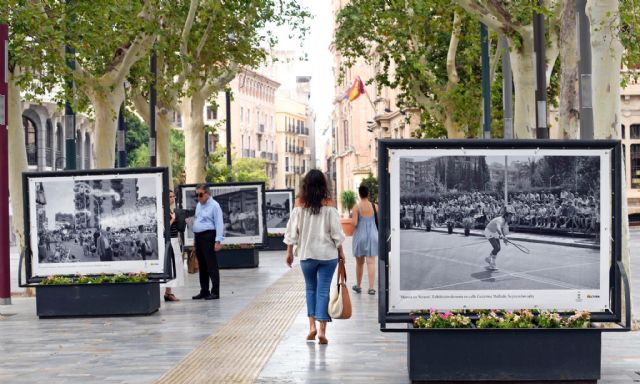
(340,302)
(192,261)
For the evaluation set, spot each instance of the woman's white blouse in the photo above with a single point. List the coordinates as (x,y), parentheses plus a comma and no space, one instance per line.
(314,236)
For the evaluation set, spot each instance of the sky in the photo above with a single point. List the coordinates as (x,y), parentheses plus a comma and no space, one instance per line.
(320,61)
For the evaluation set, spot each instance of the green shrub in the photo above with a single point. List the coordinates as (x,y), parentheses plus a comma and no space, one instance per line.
(348,200)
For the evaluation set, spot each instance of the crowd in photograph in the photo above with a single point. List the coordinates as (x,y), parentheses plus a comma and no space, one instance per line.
(98,244)
(559,211)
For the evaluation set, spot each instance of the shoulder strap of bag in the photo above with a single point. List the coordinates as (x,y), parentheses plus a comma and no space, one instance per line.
(375,214)
(342,274)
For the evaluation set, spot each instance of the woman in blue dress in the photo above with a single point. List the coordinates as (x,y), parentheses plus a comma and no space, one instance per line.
(365,239)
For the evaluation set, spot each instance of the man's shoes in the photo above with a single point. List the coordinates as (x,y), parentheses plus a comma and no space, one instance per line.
(201,296)
(212,297)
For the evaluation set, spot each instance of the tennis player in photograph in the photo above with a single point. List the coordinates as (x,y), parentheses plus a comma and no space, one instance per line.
(497,229)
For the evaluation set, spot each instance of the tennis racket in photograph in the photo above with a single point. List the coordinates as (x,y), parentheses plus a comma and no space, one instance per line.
(520,247)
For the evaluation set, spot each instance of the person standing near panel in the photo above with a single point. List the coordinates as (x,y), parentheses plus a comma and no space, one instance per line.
(178,225)
(208,227)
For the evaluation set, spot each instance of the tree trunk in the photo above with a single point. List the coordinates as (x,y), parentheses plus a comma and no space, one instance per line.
(524,83)
(193,125)
(17,158)
(163,138)
(453,129)
(569,110)
(163,131)
(106,106)
(606,60)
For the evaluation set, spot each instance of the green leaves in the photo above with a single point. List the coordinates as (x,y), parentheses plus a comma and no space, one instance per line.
(407,43)
(242,169)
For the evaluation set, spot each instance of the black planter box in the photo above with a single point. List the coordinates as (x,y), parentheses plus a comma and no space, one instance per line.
(238,258)
(97,299)
(275,244)
(507,355)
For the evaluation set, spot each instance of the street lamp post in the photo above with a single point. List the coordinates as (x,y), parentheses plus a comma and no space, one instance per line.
(486,82)
(542,130)
(122,133)
(69,114)
(584,66)
(227,97)
(5,271)
(152,110)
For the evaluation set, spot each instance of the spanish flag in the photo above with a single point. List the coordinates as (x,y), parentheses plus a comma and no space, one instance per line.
(356,90)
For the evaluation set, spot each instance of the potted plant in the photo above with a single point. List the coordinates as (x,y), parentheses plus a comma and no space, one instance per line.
(238,256)
(275,242)
(348,201)
(99,295)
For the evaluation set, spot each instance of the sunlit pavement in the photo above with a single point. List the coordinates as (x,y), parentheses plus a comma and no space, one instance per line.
(142,349)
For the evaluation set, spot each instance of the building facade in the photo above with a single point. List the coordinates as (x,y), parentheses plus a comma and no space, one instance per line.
(293,146)
(630,132)
(45,137)
(253,114)
(359,124)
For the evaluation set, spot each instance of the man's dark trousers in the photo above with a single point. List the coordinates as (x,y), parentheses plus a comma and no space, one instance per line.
(208,262)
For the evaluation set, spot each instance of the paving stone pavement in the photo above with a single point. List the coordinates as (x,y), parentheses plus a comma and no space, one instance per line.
(358,352)
(123,349)
(142,349)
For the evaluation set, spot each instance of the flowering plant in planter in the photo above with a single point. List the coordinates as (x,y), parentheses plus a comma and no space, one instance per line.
(581,319)
(139,277)
(488,320)
(227,247)
(522,319)
(548,319)
(442,320)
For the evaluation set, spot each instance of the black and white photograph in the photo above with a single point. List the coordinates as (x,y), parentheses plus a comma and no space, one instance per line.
(279,205)
(242,210)
(93,224)
(521,227)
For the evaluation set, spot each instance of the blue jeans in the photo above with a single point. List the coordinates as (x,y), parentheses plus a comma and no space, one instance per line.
(317,276)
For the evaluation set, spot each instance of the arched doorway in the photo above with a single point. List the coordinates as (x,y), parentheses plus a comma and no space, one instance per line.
(30,140)
(87,151)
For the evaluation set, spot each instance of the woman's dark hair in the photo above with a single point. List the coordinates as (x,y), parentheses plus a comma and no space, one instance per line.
(363,191)
(314,190)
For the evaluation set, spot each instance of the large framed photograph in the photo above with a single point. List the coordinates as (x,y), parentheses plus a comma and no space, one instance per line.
(279,204)
(500,226)
(242,209)
(94,222)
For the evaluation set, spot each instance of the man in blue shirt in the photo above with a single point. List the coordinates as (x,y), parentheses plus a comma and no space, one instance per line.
(208,228)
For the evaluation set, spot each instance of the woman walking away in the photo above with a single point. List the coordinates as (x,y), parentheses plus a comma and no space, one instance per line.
(315,233)
(365,238)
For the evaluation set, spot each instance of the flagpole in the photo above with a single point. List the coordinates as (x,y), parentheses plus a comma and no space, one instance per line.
(369,98)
